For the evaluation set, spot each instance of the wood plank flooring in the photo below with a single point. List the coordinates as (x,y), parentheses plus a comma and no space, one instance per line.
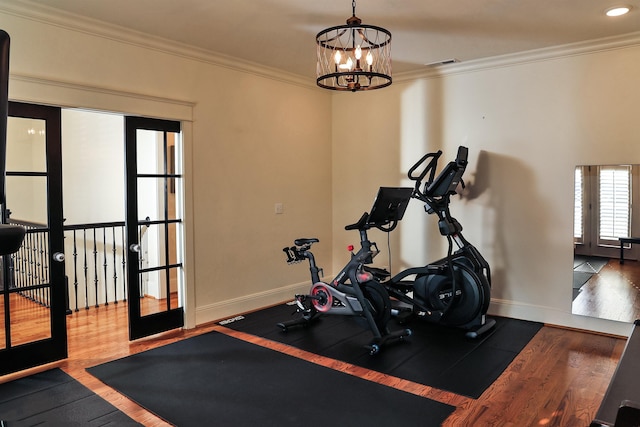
(559,379)
(613,293)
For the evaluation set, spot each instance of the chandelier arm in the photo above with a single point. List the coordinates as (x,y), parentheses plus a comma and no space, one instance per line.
(337,36)
(363,36)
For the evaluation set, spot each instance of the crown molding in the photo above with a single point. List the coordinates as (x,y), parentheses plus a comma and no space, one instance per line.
(537,55)
(33,11)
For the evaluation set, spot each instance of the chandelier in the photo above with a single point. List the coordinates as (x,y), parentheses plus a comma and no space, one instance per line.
(354,56)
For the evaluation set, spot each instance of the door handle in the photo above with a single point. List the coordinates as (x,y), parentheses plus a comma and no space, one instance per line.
(134,247)
(58,257)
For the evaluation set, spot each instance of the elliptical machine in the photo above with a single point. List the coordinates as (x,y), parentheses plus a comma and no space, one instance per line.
(455,290)
(353,292)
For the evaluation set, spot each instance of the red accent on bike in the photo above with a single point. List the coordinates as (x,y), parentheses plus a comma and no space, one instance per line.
(350,248)
(364,277)
(325,302)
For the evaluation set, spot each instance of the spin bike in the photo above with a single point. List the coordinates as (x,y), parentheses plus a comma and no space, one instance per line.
(455,290)
(353,292)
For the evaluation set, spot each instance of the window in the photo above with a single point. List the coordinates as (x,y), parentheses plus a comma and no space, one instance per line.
(602,207)
(578,223)
(614,183)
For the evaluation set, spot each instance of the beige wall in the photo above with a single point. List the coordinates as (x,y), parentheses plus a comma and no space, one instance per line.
(527,126)
(251,142)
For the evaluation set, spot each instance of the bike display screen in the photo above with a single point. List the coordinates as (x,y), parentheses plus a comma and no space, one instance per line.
(389,205)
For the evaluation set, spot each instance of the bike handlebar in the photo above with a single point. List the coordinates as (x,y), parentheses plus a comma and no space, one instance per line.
(361,224)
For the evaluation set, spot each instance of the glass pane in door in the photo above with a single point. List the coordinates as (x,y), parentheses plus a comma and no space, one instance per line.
(160,269)
(30,319)
(26,205)
(26,145)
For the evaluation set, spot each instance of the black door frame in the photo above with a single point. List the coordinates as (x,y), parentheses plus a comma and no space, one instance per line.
(23,356)
(141,326)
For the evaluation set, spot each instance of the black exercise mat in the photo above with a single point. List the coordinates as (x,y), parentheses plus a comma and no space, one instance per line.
(434,355)
(217,380)
(54,398)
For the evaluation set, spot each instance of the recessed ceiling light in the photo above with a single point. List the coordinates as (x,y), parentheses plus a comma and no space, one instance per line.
(618,10)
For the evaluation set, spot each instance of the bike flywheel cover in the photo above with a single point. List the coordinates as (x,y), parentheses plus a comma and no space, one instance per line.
(322,298)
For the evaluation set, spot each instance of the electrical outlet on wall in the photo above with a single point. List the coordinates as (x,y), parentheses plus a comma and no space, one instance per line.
(279,208)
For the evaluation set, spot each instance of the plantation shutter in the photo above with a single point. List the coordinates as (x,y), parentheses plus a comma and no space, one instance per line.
(615,203)
(578,225)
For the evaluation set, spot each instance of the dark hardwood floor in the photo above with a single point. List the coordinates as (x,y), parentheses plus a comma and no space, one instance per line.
(559,379)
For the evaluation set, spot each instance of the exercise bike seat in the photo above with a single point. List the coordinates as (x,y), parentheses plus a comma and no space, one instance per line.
(302,242)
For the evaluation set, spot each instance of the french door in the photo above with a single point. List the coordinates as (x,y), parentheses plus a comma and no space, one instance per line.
(604,196)
(32,291)
(154,225)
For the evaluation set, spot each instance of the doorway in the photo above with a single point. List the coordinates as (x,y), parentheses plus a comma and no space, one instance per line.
(95,257)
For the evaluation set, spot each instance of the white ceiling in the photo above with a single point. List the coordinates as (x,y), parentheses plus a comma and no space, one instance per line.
(281,33)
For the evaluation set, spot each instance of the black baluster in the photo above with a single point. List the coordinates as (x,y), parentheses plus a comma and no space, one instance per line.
(35,266)
(31,263)
(44,271)
(140,265)
(75,269)
(115,274)
(95,266)
(124,265)
(104,255)
(12,271)
(86,272)
(39,266)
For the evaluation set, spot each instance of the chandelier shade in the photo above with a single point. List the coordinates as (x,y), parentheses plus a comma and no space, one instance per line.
(353,57)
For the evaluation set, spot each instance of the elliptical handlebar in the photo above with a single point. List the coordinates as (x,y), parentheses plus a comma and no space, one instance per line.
(430,168)
(445,184)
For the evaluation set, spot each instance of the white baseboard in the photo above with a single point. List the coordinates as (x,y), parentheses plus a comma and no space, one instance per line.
(232,307)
